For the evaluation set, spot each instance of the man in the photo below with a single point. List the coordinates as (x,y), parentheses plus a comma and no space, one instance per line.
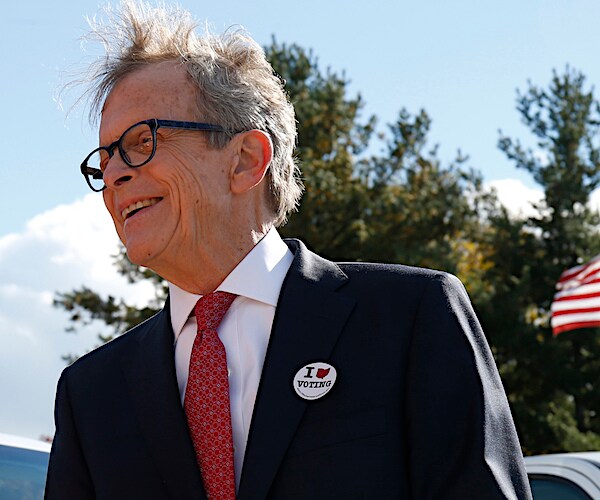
(340,380)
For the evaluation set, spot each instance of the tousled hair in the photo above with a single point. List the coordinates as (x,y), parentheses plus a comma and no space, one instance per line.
(236,85)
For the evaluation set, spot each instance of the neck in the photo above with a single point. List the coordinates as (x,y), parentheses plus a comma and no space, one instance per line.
(201,268)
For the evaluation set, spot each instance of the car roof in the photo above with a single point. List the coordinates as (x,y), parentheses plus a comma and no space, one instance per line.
(24,443)
(589,456)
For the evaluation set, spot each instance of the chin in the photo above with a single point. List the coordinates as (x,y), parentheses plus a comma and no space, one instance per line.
(148,248)
(139,256)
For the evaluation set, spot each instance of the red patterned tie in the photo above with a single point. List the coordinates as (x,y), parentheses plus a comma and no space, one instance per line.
(206,401)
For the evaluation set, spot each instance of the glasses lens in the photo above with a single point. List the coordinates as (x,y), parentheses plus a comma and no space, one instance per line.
(137,145)
(94,168)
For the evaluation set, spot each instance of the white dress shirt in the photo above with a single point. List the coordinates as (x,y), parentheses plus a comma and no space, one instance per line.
(244,331)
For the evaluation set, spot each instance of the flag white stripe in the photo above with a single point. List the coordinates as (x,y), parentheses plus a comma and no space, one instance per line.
(574,318)
(565,305)
(579,271)
(581,290)
(569,273)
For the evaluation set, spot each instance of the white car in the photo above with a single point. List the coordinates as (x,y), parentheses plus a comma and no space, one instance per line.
(565,476)
(23,466)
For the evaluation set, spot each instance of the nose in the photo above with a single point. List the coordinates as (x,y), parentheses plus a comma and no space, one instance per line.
(117,172)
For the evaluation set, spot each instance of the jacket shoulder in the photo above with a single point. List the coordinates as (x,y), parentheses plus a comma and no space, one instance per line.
(116,348)
(398,273)
(313,267)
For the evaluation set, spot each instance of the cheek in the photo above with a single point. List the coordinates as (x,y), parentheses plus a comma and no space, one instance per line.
(188,179)
(186,189)
(196,181)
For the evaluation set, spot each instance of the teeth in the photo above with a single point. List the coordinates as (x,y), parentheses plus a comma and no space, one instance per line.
(138,205)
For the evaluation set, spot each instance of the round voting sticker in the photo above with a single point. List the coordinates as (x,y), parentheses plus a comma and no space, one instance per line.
(314,380)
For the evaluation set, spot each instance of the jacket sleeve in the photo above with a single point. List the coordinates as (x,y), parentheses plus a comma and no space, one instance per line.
(68,475)
(462,439)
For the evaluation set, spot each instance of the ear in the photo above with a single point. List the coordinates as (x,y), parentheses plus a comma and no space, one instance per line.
(255,154)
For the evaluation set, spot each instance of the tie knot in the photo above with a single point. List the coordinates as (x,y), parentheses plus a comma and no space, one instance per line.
(211,308)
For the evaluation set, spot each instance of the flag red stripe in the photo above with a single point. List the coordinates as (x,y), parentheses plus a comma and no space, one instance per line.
(574,310)
(577,296)
(574,326)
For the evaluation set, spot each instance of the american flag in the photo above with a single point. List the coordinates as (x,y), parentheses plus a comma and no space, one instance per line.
(577,302)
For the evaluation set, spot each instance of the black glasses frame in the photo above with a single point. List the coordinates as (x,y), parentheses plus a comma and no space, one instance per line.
(154,124)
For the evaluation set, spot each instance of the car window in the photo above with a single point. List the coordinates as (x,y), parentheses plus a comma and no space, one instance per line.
(554,488)
(22,473)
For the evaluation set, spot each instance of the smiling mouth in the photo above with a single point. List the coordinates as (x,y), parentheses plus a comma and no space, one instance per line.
(134,208)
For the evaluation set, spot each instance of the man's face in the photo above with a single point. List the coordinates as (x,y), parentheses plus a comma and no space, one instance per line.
(184,190)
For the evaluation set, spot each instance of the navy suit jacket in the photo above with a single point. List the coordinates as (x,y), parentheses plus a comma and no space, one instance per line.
(417,411)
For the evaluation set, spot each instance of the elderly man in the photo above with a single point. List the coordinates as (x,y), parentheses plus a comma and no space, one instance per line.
(270,372)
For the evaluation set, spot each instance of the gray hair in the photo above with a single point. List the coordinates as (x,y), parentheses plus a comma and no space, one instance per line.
(237,87)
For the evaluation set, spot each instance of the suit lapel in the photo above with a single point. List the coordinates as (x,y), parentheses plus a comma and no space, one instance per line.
(309,318)
(150,374)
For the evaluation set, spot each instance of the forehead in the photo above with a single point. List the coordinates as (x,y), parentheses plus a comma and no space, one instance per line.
(162,90)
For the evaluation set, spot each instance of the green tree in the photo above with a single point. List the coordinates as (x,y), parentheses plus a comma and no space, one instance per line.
(330,137)
(399,206)
(549,378)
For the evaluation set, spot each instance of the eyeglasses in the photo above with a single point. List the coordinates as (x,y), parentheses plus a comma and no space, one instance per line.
(136,146)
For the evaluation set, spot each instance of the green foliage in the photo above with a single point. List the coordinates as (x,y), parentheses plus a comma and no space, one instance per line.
(388,197)
(400,206)
(329,136)
(420,209)
(561,421)
(542,373)
(565,121)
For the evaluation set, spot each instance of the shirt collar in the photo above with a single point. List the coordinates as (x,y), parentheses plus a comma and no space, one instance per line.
(259,276)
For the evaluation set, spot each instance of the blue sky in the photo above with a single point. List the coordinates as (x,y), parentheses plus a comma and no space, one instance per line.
(462,61)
